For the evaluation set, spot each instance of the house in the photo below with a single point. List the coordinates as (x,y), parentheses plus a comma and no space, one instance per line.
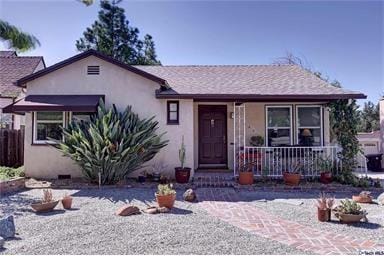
(369,142)
(218,110)
(12,68)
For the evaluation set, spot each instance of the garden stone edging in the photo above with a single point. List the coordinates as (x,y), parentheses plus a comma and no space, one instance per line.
(7,227)
(12,185)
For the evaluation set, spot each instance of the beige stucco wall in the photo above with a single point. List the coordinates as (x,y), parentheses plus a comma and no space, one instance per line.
(120,87)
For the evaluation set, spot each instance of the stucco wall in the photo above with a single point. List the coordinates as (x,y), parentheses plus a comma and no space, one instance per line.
(120,87)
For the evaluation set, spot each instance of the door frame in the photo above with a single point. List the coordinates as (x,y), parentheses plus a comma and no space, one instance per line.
(201,109)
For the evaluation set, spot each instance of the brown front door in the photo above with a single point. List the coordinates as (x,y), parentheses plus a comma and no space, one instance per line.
(212,135)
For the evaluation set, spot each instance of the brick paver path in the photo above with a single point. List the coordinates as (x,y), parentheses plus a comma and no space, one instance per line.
(224,204)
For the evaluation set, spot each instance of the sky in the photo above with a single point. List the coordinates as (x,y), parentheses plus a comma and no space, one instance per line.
(341,39)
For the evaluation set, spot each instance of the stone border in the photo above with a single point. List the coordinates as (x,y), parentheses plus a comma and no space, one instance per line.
(12,185)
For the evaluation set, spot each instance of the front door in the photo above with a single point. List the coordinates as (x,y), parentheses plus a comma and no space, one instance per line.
(212,135)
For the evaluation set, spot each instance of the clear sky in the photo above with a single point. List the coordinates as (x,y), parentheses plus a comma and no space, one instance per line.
(342,39)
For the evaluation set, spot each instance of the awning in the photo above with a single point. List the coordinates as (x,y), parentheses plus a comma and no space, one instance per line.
(79,103)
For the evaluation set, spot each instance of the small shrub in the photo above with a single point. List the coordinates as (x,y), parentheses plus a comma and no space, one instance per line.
(9,173)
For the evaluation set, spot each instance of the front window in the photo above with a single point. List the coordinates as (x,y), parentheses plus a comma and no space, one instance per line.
(172,112)
(48,126)
(309,125)
(279,123)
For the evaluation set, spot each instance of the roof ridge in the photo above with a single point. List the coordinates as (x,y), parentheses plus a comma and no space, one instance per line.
(18,57)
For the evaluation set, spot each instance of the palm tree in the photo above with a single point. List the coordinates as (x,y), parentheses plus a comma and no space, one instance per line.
(17,39)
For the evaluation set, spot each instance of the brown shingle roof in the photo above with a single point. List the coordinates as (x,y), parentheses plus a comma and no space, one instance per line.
(268,80)
(7,53)
(12,68)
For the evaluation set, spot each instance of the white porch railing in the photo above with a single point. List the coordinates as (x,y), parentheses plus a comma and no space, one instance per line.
(274,161)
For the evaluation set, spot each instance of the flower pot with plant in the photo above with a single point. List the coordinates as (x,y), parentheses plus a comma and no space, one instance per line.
(165,195)
(349,212)
(47,204)
(67,201)
(325,165)
(292,175)
(364,197)
(324,207)
(246,174)
(182,173)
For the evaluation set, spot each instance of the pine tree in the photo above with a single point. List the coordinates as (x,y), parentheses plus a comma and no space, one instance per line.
(112,35)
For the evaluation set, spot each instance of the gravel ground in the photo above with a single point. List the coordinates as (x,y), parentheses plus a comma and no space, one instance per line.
(306,213)
(92,228)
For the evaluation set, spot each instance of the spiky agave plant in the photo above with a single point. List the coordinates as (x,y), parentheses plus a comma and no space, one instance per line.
(113,143)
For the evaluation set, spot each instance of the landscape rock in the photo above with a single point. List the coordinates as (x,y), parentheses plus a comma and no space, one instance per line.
(380,199)
(189,195)
(2,241)
(7,227)
(151,210)
(127,210)
(163,209)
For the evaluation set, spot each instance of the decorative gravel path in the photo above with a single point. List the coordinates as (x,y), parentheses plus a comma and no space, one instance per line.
(93,228)
(225,204)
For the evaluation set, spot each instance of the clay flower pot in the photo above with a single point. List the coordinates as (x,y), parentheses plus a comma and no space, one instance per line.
(323,215)
(67,202)
(349,218)
(44,207)
(182,174)
(245,178)
(292,179)
(362,199)
(326,177)
(166,200)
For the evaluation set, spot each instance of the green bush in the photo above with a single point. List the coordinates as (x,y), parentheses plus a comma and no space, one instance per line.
(113,144)
(8,172)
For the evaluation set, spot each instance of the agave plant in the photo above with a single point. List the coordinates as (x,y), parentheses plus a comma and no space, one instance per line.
(112,145)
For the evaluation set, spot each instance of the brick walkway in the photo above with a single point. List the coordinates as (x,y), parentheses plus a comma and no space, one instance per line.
(224,204)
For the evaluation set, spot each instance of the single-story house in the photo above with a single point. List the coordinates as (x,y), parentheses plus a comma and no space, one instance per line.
(12,68)
(219,110)
(369,142)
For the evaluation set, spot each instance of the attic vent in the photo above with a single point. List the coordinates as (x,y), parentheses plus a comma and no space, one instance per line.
(93,70)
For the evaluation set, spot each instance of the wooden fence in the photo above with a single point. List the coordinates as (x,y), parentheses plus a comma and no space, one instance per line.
(11,147)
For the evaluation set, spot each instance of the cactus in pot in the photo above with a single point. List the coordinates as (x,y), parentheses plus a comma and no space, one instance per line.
(182,173)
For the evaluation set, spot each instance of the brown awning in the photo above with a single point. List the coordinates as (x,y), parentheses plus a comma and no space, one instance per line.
(80,103)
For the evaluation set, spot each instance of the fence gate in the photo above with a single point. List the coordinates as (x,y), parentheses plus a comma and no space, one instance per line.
(11,147)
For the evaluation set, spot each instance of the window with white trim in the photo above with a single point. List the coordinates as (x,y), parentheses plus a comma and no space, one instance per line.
(309,131)
(48,125)
(279,125)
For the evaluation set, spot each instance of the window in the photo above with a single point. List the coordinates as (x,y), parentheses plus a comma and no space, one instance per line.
(172,112)
(47,125)
(309,125)
(279,125)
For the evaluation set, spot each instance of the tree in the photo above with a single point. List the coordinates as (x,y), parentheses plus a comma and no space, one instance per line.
(17,39)
(112,35)
(369,117)
(112,145)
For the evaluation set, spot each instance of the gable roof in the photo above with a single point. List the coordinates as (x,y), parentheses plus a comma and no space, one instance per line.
(245,82)
(12,68)
(21,82)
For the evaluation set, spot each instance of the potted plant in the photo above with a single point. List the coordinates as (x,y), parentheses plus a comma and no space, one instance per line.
(246,174)
(292,175)
(47,203)
(182,173)
(257,141)
(349,212)
(324,207)
(325,165)
(165,195)
(158,168)
(67,201)
(364,197)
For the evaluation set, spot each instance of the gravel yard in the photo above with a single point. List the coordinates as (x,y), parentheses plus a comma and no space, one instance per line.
(92,228)
(306,213)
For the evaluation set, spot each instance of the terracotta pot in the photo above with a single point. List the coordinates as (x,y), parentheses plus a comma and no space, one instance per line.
(245,178)
(349,218)
(67,202)
(326,177)
(362,199)
(166,201)
(292,179)
(182,174)
(44,207)
(323,214)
